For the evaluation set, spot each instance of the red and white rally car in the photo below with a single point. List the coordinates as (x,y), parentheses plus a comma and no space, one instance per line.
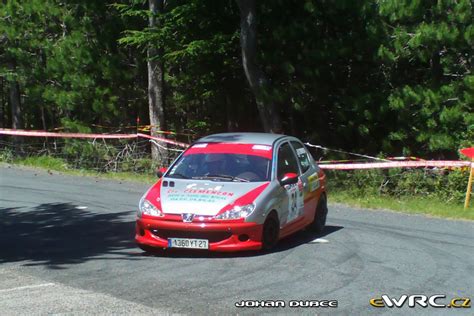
(233,192)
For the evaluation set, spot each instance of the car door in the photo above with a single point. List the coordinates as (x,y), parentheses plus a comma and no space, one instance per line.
(309,177)
(287,163)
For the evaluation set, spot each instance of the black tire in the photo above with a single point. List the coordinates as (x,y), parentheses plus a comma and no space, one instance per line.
(319,221)
(270,232)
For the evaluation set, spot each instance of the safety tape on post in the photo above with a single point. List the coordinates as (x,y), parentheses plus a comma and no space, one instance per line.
(163,140)
(163,147)
(344,152)
(398,164)
(33,133)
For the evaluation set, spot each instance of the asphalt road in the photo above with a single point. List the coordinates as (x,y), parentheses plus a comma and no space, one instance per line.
(66,248)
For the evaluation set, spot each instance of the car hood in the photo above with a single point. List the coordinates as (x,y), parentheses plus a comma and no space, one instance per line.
(202,197)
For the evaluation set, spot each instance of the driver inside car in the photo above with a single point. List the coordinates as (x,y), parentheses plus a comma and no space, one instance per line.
(215,164)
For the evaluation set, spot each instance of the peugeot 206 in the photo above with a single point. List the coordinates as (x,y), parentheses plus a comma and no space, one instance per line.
(234,192)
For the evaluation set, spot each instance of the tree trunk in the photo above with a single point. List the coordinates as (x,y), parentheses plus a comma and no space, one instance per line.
(232,124)
(436,69)
(256,78)
(156,97)
(43,118)
(2,102)
(15,103)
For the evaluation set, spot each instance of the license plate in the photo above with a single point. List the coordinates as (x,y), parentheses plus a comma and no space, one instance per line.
(188,243)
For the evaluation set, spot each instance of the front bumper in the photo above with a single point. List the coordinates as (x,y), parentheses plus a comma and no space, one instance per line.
(222,236)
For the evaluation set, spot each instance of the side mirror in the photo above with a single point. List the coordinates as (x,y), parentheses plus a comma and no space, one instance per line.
(289,178)
(161,171)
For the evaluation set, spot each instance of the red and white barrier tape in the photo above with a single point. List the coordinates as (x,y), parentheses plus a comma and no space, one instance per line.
(331,166)
(163,140)
(398,164)
(414,163)
(62,135)
(163,147)
(16,132)
(344,152)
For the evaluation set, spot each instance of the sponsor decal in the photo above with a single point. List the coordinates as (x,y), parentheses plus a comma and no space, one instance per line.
(313,181)
(208,192)
(420,300)
(300,151)
(194,193)
(196,197)
(230,148)
(283,304)
(262,147)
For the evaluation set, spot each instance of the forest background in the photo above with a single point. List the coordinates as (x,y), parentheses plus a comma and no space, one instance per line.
(388,76)
(378,77)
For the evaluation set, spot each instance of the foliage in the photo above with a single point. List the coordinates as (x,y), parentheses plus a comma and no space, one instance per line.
(6,155)
(387,77)
(66,58)
(446,185)
(428,55)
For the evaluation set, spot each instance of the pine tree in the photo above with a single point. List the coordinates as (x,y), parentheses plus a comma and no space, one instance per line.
(428,55)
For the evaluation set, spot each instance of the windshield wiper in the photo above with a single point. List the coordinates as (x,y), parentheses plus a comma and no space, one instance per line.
(215,177)
(178,175)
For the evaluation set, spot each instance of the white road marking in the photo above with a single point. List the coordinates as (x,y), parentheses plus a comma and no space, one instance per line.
(80,207)
(319,241)
(26,287)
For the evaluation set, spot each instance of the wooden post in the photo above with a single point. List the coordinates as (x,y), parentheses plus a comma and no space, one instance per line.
(468,152)
(469,186)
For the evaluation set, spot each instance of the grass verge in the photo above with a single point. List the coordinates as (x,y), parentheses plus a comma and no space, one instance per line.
(406,204)
(56,164)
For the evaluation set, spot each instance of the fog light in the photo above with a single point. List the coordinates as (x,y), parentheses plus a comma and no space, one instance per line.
(243,237)
(142,232)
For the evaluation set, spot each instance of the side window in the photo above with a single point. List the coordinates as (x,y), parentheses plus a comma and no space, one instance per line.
(302,156)
(286,161)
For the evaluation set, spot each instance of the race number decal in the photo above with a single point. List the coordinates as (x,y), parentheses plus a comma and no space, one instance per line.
(295,200)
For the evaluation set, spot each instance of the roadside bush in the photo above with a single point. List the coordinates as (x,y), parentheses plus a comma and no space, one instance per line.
(448,185)
(141,165)
(6,155)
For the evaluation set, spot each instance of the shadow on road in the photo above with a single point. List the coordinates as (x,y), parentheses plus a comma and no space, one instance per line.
(290,242)
(59,233)
(56,234)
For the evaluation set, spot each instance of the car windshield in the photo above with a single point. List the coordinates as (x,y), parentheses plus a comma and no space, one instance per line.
(222,167)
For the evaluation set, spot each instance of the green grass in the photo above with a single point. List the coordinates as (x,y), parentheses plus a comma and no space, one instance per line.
(412,205)
(44,162)
(406,204)
(57,164)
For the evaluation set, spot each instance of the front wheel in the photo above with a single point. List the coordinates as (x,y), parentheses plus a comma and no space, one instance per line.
(270,232)
(319,221)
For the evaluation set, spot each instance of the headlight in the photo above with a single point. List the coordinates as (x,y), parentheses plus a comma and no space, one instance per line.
(145,207)
(237,212)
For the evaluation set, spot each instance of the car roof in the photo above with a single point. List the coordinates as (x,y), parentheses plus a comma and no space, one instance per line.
(242,138)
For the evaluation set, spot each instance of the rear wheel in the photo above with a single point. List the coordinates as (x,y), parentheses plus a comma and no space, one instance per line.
(319,221)
(271,232)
